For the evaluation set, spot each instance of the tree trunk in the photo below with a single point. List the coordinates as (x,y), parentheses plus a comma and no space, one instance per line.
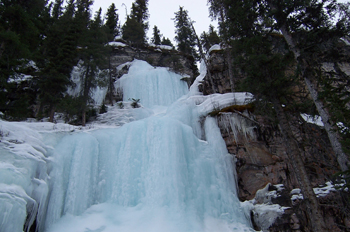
(83,117)
(85,95)
(110,81)
(52,112)
(313,210)
(2,47)
(230,70)
(342,158)
(205,60)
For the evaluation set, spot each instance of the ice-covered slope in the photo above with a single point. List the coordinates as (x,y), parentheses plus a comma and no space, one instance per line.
(148,171)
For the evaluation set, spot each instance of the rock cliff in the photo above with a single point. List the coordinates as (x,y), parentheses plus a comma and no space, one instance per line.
(160,56)
(260,152)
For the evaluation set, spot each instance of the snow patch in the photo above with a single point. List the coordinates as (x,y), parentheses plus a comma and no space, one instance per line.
(264,212)
(216,102)
(312,119)
(162,47)
(117,44)
(215,47)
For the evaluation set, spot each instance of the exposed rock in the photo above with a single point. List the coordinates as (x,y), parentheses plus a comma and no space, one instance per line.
(175,61)
(262,159)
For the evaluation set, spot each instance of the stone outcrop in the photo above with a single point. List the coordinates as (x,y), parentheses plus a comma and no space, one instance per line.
(260,151)
(160,56)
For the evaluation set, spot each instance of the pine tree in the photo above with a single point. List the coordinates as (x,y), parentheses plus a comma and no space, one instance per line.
(166,41)
(210,38)
(139,12)
(133,32)
(136,25)
(112,25)
(156,36)
(185,36)
(60,53)
(21,31)
(57,9)
(93,54)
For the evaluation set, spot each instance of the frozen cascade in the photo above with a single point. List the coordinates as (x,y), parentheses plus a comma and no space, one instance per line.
(155,86)
(153,174)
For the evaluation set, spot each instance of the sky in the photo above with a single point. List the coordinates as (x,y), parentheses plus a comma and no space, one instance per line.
(162,11)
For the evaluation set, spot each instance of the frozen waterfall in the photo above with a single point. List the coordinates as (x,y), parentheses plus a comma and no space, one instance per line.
(160,172)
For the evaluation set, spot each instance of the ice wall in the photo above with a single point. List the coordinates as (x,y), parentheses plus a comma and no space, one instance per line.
(153,86)
(152,173)
(23,177)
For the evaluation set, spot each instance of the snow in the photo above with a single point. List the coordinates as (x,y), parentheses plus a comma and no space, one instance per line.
(162,47)
(264,211)
(321,191)
(215,47)
(120,67)
(343,129)
(118,37)
(328,188)
(216,102)
(312,119)
(296,195)
(117,44)
(18,78)
(345,40)
(279,187)
(194,87)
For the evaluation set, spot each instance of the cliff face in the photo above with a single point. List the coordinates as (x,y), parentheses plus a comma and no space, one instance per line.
(160,56)
(261,154)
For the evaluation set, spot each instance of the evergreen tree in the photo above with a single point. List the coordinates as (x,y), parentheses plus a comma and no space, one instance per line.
(57,9)
(60,52)
(210,38)
(112,26)
(93,54)
(136,25)
(21,32)
(139,12)
(133,32)
(166,41)
(185,36)
(156,36)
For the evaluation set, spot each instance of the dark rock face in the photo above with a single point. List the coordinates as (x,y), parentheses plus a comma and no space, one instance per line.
(262,159)
(220,74)
(175,61)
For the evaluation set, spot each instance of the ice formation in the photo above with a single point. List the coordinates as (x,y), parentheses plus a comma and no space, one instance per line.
(147,170)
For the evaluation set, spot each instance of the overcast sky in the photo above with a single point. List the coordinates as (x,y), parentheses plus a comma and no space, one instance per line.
(162,11)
